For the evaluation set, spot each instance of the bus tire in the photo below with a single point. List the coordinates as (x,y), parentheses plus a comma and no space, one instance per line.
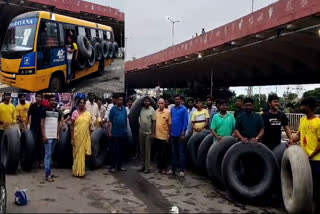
(63,150)
(296,181)
(85,49)
(98,51)
(110,50)
(104,49)
(10,150)
(203,151)
(92,60)
(27,150)
(115,50)
(249,171)
(193,146)
(135,113)
(99,142)
(215,157)
(278,152)
(56,83)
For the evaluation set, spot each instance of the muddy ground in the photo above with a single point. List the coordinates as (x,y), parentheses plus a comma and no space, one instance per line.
(130,191)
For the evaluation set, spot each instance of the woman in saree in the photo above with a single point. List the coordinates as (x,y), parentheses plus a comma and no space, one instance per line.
(80,138)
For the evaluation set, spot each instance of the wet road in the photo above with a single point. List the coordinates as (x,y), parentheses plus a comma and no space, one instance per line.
(130,191)
(111,81)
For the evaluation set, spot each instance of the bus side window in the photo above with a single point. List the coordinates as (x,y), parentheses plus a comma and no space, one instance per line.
(104,35)
(108,35)
(81,31)
(52,33)
(101,34)
(93,35)
(61,34)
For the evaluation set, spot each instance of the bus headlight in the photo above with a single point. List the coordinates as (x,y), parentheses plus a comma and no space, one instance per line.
(27,71)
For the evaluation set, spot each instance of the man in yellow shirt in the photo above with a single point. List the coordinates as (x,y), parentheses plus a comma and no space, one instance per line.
(200,118)
(7,114)
(162,135)
(309,136)
(22,111)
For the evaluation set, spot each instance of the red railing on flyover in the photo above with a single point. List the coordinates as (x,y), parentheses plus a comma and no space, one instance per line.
(277,14)
(79,5)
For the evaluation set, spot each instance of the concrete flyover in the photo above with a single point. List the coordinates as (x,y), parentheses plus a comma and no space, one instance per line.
(74,8)
(278,44)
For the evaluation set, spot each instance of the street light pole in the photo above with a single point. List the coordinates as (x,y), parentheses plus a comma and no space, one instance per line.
(173,22)
(252,5)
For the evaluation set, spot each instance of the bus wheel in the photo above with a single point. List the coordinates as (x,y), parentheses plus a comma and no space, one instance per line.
(55,83)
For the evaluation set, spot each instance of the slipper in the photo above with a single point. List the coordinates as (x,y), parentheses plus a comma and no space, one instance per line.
(54,176)
(49,179)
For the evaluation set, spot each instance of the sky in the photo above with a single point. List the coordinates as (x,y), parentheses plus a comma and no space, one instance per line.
(118,4)
(148,30)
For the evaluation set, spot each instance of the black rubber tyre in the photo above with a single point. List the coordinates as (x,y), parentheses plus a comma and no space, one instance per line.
(278,152)
(193,146)
(203,152)
(63,150)
(249,171)
(10,150)
(28,147)
(84,46)
(215,157)
(80,63)
(3,193)
(296,181)
(110,50)
(98,51)
(135,113)
(104,49)
(99,142)
(92,60)
(56,83)
(115,50)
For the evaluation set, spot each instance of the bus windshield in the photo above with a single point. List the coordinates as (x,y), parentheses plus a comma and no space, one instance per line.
(20,35)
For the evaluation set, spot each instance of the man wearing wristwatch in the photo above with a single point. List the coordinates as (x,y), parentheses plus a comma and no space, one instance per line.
(249,125)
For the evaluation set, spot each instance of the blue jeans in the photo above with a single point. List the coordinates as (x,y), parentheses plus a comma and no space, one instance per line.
(49,148)
(178,153)
(69,69)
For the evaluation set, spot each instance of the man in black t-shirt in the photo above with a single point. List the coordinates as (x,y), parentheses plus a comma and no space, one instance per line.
(34,119)
(273,121)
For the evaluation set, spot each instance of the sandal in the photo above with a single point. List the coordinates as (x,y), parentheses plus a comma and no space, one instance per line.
(54,176)
(49,179)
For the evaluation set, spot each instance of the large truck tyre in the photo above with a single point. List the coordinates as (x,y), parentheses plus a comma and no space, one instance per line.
(85,49)
(110,50)
(296,181)
(249,171)
(135,113)
(92,60)
(215,157)
(10,150)
(98,51)
(278,152)
(99,142)
(63,150)
(27,151)
(193,146)
(203,151)
(115,49)
(104,49)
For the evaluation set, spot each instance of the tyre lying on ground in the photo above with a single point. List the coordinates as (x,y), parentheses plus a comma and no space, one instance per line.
(135,113)
(91,60)
(27,150)
(85,49)
(63,150)
(98,51)
(10,150)
(193,146)
(99,143)
(215,156)
(203,151)
(249,171)
(296,181)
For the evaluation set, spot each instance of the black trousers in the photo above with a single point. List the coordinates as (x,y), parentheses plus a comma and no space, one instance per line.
(315,168)
(117,148)
(1,133)
(163,150)
(39,153)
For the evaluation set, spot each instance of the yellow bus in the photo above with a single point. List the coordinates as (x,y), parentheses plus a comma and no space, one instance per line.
(34,53)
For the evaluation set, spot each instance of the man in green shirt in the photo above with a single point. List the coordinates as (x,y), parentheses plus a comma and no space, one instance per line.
(223,123)
(147,127)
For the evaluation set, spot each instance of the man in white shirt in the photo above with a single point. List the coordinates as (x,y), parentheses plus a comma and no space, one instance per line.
(92,107)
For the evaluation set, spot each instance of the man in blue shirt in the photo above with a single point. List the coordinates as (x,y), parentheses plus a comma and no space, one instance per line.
(179,117)
(117,127)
